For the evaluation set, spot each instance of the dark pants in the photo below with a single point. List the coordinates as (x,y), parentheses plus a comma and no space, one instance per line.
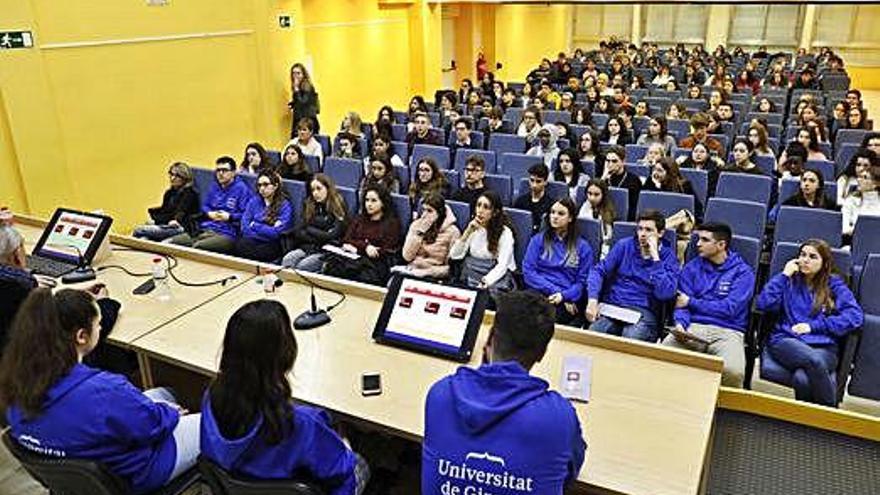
(258,251)
(563,317)
(810,367)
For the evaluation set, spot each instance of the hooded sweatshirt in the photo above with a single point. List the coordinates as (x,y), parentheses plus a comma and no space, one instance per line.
(232,199)
(719,294)
(430,260)
(551,151)
(792,299)
(100,416)
(254,226)
(632,280)
(500,430)
(312,449)
(557,271)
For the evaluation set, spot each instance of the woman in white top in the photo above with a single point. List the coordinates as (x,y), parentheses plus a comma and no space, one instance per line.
(382,144)
(863,201)
(663,77)
(847,181)
(599,206)
(305,139)
(487,246)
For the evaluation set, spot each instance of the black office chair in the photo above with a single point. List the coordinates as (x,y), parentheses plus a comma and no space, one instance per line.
(63,476)
(222,483)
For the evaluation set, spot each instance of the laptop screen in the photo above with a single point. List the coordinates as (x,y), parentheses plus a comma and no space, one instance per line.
(433,318)
(72,234)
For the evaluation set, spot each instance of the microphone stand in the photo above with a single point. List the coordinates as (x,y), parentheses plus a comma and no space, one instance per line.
(82,273)
(311,318)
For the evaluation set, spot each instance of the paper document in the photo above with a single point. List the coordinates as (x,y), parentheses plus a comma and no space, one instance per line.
(574,383)
(618,313)
(330,248)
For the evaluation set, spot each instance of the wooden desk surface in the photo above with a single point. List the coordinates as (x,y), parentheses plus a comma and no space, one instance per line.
(143,314)
(647,426)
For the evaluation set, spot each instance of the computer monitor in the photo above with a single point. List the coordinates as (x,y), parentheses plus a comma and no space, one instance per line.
(431,318)
(73,235)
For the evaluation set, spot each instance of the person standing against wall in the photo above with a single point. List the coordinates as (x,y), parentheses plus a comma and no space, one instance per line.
(304,99)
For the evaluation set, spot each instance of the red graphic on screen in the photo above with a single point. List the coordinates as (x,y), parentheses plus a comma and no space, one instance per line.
(457,312)
(432,307)
(405,302)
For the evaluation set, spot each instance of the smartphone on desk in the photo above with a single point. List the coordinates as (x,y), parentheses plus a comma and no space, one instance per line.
(371,384)
(144,288)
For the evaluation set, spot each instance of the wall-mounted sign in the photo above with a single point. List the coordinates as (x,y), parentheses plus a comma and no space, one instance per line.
(16,39)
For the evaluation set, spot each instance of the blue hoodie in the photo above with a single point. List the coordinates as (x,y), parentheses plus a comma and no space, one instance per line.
(232,199)
(792,299)
(500,430)
(632,280)
(313,449)
(557,272)
(719,295)
(254,227)
(92,414)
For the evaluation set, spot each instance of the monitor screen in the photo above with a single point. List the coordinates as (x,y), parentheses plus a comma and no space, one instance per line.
(72,234)
(430,317)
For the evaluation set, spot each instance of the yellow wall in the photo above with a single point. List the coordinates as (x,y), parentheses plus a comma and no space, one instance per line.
(12,193)
(95,126)
(524,34)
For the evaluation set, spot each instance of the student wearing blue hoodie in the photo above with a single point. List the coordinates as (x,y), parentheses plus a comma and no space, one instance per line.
(714,293)
(250,425)
(267,217)
(223,207)
(59,407)
(497,429)
(639,274)
(816,310)
(557,262)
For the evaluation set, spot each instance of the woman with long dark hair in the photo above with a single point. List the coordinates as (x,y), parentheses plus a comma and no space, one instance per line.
(60,407)
(430,236)
(557,262)
(304,103)
(293,164)
(251,426)
(322,222)
(373,236)
(255,159)
(487,247)
(598,205)
(816,311)
(267,217)
(569,171)
(428,180)
(656,132)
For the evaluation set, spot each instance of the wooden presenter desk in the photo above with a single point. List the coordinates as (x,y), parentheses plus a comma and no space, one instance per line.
(142,314)
(647,425)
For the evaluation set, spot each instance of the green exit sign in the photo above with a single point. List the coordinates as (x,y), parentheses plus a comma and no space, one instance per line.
(16,39)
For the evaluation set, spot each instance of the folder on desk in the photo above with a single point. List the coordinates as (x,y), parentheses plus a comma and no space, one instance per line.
(618,313)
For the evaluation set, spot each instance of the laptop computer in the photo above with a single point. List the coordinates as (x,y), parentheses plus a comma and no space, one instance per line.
(70,239)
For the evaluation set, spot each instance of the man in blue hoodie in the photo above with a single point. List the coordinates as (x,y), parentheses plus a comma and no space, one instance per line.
(638,274)
(497,429)
(223,207)
(714,292)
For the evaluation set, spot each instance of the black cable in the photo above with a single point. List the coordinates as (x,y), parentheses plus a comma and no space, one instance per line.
(313,284)
(172,263)
(124,269)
